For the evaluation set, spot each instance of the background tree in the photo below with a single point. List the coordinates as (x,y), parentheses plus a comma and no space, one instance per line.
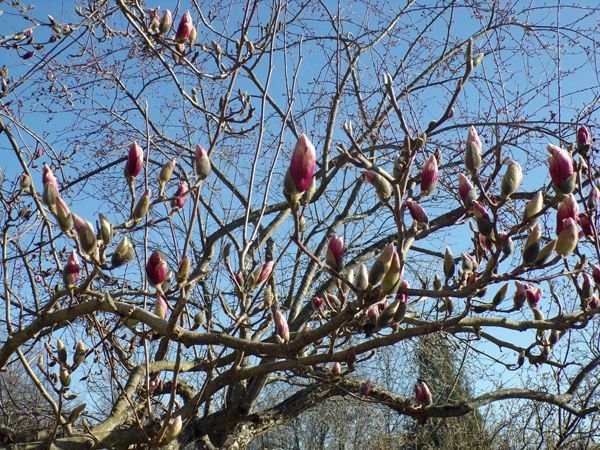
(215,220)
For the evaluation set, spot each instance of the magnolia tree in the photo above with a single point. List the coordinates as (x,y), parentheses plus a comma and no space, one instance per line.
(216,217)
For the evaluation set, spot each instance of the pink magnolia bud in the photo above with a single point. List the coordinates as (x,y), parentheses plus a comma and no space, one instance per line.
(520,295)
(51,192)
(85,234)
(366,388)
(593,302)
(533,295)
(466,190)
(265,272)
(317,302)
(417,212)
(160,307)
(181,195)
(484,223)
(135,161)
(429,176)
(596,273)
(25,182)
(156,268)
(154,21)
(382,186)
(302,164)
(587,288)
(202,163)
(71,271)
(567,208)
(587,225)
(336,369)
(568,238)
(593,198)
(473,151)
(381,265)
(561,169)
(335,252)
(423,394)
(184,30)
(584,139)
(281,326)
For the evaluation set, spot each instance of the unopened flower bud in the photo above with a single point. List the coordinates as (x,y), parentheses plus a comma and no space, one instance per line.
(593,302)
(584,139)
(142,206)
(533,295)
(63,215)
(65,376)
(105,229)
(596,273)
(587,226)
(417,212)
(156,268)
(449,264)
(85,234)
(532,245)
(382,187)
(335,252)
(567,208)
(79,354)
(587,288)
(184,30)
(160,307)
(202,163)
(362,278)
(391,280)
(51,192)
(71,271)
(135,161)
(317,302)
(473,151)
(281,326)
(199,319)
(165,174)
(184,270)
(484,223)
(123,253)
(61,351)
(423,394)
(500,295)
(520,295)
(568,238)
(264,273)
(302,167)
(173,430)
(545,252)
(381,265)
(466,191)
(181,196)
(533,208)
(25,182)
(511,180)
(336,369)
(593,198)
(366,388)
(165,22)
(561,170)
(154,22)
(429,176)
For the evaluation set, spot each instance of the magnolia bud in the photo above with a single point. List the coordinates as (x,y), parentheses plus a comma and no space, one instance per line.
(184,270)
(429,176)
(449,264)
(181,196)
(336,369)
(184,30)
(469,265)
(437,283)
(63,215)
(391,280)
(202,163)
(79,355)
(199,319)
(423,394)
(362,278)
(593,197)
(587,289)
(309,193)
(533,295)
(61,350)
(25,182)
(142,206)
(505,243)
(85,234)
(568,238)
(366,388)
(520,295)
(302,167)
(567,208)
(584,139)
(335,253)
(484,223)
(263,273)
(156,268)
(51,192)
(71,271)
(123,253)
(382,187)
(317,302)
(173,430)
(532,245)
(165,175)
(473,151)
(160,307)
(500,295)
(466,191)
(417,212)
(154,22)
(135,161)
(561,170)
(65,376)
(105,229)
(593,302)
(596,273)
(381,265)
(545,252)
(165,22)
(281,326)
(587,226)
(533,208)
(511,179)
